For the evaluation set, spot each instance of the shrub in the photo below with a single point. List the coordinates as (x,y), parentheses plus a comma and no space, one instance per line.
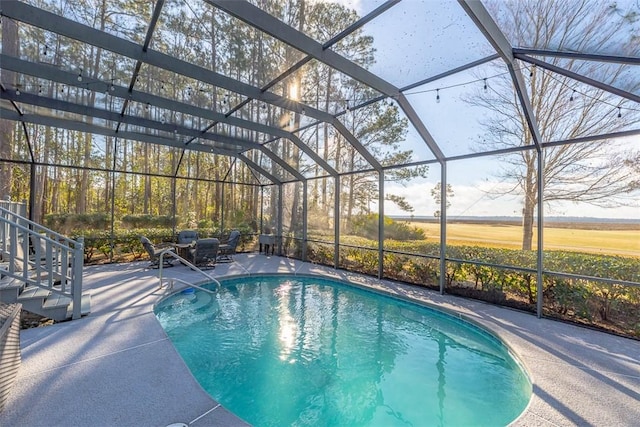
(147,221)
(367,226)
(64,223)
(125,244)
(319,253)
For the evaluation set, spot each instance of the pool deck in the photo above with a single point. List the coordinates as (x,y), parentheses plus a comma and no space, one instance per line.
(116,366)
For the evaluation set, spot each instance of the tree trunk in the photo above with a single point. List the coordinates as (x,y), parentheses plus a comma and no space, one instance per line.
(39,186)
(147,180)
(295,151)
(8,78)
(218,196)
(530,202)
(83,192)
(352,184)
(325,153)
(530,187)
(527,225)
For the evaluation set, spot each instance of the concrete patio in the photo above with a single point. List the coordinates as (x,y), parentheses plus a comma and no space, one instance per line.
(116,367)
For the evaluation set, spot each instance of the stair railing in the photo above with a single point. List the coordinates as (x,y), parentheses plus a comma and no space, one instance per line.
(169,252)
(19,208)
(56,261)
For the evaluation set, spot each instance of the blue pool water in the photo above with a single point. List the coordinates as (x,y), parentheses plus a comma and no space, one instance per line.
(285,350)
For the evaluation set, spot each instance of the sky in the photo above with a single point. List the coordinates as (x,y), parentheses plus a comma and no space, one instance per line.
(473,200)
(436,36)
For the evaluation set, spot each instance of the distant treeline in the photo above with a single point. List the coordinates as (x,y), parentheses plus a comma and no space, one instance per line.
(552,222)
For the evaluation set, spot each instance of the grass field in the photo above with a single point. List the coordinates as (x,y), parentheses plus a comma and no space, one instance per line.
(598,241)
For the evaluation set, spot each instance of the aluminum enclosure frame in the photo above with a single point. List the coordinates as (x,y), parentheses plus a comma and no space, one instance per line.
(237,147)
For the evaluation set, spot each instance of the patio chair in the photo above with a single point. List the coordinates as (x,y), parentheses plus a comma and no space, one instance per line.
(187,236)
(154,253)
(227,250)
(205,252)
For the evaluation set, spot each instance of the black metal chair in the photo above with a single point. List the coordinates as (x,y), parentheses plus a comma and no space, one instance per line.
(154,253)
(205,252)
(187,236)
(227,250)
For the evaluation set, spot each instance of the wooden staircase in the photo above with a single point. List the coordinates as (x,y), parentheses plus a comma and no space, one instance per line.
(49,281)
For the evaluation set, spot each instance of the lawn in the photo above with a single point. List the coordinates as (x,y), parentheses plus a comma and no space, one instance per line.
(599,241)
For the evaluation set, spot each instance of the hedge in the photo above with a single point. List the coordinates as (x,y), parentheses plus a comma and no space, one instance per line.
(612,307)
(126,246)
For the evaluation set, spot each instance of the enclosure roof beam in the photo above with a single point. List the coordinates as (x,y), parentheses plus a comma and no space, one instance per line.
(313,155)
(356,144)
(131,172)
(88,128)
(420,127)
(60,105)
(632,60)
(253,165)
(286,166)
(520,148)
(451,72)
(54,74)
(99,130)
(612,135)
(579,77)
(361,22)
(147,40)
(335,39)
(85,110)
(269,24)
(485,23)
(85,34)
(68,28)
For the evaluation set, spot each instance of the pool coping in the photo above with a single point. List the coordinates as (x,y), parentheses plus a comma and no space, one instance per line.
(79,370)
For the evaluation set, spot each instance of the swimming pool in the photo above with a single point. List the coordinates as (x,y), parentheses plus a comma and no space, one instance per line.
(290,350)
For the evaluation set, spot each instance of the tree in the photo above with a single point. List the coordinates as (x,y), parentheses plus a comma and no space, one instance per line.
(564,108)
(436,193)
(8,78)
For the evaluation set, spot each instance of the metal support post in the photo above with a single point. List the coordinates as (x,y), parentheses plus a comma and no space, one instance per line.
(32,192)
(261,209)
(280,209)
(380,224)
(78,261)
(174,205)
(112,241)
(540,246)
(305,207)
(336,225)
(443,225)
(222,210)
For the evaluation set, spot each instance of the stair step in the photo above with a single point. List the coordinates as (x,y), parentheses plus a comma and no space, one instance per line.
(10,283)
(38,278)
(33,292)
(55,301)
(10,289)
